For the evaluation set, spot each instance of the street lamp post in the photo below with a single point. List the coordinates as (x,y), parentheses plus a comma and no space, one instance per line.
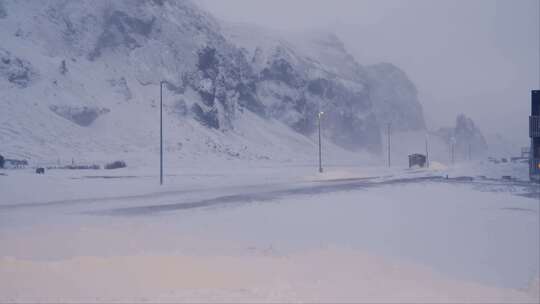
(388,138)
(427,151)
(453,143)
(161,132)
(320,150)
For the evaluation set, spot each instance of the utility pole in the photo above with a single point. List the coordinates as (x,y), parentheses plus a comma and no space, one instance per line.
(161,132)
(388,137)
(452,153)
(470,156)
(320,149)
(427,152)
(452,142)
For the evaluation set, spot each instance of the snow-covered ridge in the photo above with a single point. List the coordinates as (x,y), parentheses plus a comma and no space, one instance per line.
(312,71)
(66,64)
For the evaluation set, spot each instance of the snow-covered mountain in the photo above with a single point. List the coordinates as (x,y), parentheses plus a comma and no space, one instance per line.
(302,74)
(468,139)
(81,79)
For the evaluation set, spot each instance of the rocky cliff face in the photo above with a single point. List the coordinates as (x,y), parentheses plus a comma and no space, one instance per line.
(467,138)
(300,75)
(16,71)
(395,98)
(95,55)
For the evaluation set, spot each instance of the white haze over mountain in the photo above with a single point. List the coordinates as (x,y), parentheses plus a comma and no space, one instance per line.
(478,57)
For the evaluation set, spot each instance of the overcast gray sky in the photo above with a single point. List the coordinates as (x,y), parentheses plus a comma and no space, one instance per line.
(478,57)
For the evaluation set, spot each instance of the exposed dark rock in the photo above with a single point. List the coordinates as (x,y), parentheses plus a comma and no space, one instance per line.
(224,81)
(207,118)
(121,87)
(180,107)
(247,97)
(281,70)
(318,87)
(82,116)
(3,11)
(346,122)
(207,98)
(208,62)
(63,67)
(121,30)
(15,70)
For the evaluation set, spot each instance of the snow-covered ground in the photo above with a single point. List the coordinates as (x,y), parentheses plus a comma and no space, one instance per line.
(270,232)
(243,214)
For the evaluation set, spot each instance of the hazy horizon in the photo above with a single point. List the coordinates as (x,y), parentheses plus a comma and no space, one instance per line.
(474,57)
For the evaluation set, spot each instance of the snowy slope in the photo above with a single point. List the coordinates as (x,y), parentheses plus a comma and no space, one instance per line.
(80,80)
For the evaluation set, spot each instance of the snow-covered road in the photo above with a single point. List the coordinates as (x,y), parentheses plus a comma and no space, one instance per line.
(388,228)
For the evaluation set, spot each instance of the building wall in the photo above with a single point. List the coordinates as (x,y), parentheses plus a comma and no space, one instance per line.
(534,134)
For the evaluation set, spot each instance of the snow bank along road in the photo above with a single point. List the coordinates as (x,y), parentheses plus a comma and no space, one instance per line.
(276,236)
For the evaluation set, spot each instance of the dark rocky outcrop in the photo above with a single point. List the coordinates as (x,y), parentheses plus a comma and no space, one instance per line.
(63,68)
(394,97)
(82,116)
(16,70)
(121,30)
(348,121)
(224,81)
(3,10)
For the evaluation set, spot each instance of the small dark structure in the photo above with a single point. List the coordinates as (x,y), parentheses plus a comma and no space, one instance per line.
(417,160)
(534,134)
(115,165)
(40,170)
(2,162)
